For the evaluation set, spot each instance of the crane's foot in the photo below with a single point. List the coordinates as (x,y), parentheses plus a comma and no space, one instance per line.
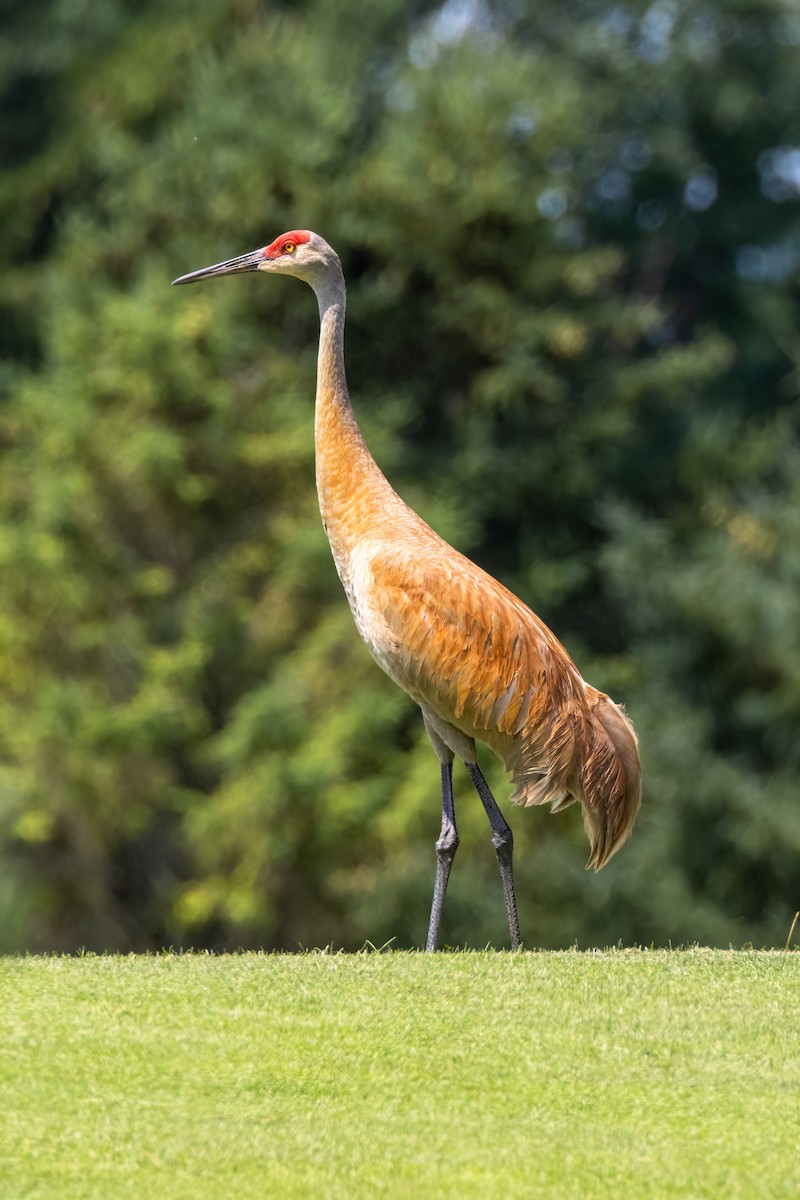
(446,848)
(503,842)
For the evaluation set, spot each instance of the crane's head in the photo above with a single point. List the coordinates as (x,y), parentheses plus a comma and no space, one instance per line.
(299,252)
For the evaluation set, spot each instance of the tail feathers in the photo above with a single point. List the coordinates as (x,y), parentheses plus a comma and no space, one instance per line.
(610,780)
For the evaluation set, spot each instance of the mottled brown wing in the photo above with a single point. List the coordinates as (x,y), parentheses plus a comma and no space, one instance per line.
(466,646)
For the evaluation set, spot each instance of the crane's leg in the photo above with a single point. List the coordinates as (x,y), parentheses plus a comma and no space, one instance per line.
(446,848)
(503,842)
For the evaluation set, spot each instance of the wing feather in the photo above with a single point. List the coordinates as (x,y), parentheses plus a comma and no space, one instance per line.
(466,646)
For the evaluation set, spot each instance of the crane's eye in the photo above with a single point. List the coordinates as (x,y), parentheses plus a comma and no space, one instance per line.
(288,247)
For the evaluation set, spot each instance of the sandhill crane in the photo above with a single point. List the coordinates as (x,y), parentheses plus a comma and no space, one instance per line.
(478,662)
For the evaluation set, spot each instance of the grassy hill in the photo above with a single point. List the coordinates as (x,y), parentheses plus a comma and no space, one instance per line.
(616,1074)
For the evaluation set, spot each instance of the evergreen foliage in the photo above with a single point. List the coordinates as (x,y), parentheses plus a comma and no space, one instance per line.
(571,235)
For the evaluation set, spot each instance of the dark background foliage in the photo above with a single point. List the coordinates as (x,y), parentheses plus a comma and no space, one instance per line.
(572,237)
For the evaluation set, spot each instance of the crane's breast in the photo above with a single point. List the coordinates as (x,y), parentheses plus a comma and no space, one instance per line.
(357,567)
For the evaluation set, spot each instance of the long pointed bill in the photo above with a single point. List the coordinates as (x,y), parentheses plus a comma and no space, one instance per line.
(234,266)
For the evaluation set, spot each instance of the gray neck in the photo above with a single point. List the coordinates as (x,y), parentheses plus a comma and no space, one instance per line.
(348,479)
(331,298)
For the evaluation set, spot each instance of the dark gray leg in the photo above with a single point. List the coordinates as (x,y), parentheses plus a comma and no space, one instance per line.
(503,842)
(445,853)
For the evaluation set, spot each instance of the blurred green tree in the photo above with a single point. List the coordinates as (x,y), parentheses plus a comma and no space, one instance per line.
(571,235)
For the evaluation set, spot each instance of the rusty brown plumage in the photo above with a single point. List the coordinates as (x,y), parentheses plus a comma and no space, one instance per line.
(478,661)
(467,649)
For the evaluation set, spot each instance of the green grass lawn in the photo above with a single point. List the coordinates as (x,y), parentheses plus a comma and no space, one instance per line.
(622,1074)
